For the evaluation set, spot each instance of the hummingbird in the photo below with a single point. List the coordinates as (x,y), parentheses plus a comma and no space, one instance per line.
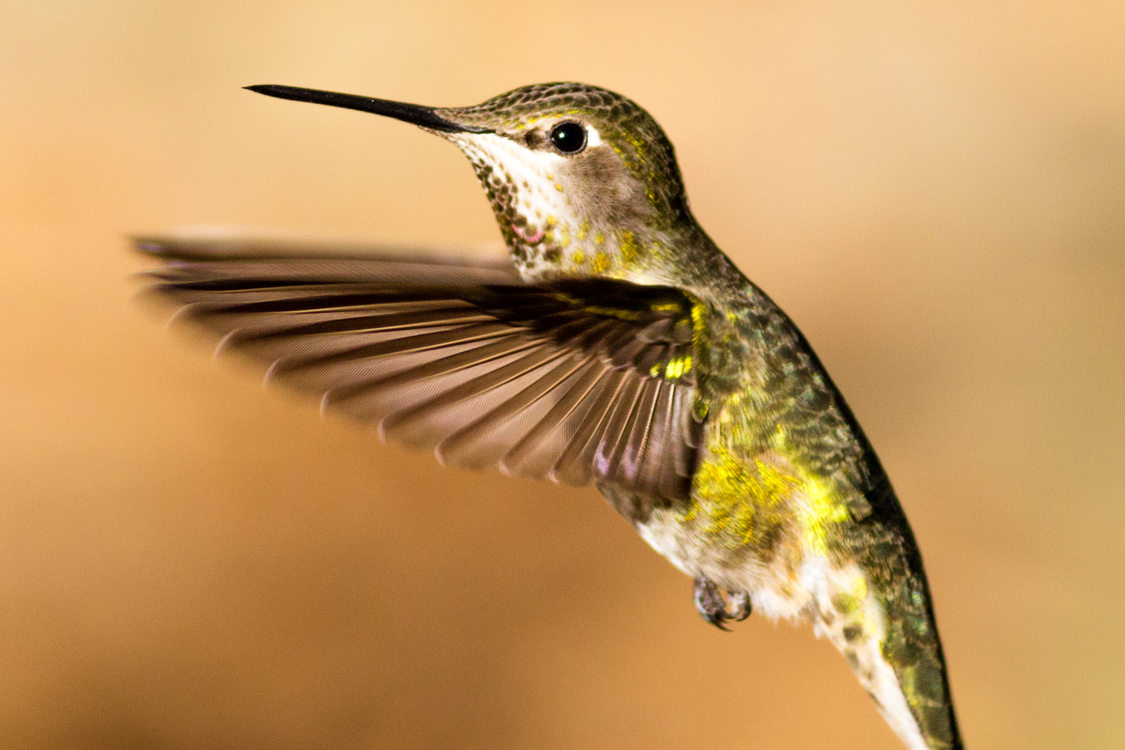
(617,346)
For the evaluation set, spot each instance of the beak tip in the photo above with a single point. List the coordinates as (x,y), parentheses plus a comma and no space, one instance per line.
(264,88)
(425,117)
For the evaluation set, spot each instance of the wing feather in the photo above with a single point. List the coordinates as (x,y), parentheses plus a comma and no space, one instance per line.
(567,381)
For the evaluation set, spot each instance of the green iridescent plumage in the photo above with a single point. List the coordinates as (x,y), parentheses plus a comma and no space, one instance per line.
(623,350)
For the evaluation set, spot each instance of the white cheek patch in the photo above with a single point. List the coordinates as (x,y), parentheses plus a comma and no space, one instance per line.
(533,175)
(497,150)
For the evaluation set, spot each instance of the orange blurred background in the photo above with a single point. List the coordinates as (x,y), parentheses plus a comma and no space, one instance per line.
(935,194)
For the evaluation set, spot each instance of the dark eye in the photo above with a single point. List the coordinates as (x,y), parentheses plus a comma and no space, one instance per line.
(568,137)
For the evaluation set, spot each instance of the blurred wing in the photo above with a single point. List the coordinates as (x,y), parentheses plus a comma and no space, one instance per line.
(576,381)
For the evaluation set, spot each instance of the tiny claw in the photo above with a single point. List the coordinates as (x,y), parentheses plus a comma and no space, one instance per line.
(709,601)
(715,607)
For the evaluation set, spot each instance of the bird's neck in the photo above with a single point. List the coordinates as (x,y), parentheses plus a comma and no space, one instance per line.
(676,254)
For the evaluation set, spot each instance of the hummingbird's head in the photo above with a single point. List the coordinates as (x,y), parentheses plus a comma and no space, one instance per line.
(582,180)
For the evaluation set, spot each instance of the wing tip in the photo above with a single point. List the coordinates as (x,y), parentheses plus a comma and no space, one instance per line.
(148,244)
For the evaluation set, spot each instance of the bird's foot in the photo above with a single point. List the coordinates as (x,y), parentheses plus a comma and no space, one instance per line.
(716,607)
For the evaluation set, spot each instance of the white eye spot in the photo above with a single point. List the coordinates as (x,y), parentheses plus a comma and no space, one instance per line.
(592,137)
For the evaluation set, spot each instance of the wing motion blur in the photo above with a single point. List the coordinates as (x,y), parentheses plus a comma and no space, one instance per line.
(547,381)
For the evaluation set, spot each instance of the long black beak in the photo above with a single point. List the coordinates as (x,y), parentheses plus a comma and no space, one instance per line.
(426,117)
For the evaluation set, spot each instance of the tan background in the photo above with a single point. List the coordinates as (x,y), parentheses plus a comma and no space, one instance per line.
(937,196)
